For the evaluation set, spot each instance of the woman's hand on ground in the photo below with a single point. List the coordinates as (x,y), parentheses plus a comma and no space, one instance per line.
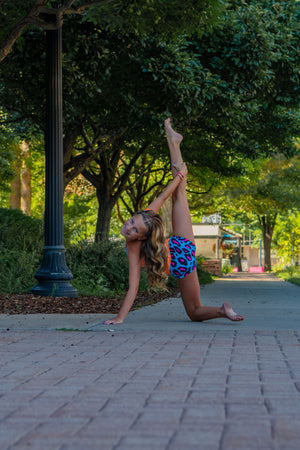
(115,321)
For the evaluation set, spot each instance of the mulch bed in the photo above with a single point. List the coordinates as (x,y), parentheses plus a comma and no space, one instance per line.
(30,304)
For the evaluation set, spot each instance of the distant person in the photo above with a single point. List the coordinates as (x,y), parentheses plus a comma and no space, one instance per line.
(147,245)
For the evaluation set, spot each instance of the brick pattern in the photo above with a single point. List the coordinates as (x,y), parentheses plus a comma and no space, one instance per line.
(213,266)
(148,390)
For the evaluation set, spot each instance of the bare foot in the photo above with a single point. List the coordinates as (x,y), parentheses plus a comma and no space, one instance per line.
(230,314)
(171,134)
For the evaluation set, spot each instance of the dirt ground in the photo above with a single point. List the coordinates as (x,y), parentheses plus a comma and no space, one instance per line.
(30,304)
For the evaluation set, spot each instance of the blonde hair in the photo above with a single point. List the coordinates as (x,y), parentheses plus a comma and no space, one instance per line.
(154,249)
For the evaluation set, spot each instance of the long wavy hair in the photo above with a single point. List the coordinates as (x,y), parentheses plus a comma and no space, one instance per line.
(153,248)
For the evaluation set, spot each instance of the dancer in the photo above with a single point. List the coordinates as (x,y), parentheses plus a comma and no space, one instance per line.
(147,245)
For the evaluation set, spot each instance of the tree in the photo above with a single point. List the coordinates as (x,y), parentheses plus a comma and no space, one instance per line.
(287,238)
(270,189)
(226,103)
(125,22)
(20,196)
(224,95)
(114,179)
(22,14)
(109,186)
(8,144)
(136,15)
(90,133)
(145,183)
(15,186)
(251,82)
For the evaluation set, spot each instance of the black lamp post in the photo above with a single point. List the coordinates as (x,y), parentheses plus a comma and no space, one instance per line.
(54,276)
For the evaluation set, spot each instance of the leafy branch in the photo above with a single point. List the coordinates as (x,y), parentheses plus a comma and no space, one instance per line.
(36,17)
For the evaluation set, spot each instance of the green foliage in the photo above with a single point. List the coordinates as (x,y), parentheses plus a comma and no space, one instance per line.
(36,163)
(11,13)
(268,189)
(234,90)
(227,81)
(270,186)
(291,274)
(80,211)
(21,243)
(287,239)
(249,107)
(203,276)
(138,16)
(6,171)
(99,269)
(7,156)
(17,270)
(226,268)
(157,16)
(19,232)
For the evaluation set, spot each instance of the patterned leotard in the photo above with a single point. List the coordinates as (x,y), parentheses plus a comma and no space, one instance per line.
(183,260)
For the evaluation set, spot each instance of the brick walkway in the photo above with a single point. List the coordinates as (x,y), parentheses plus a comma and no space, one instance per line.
(225,388)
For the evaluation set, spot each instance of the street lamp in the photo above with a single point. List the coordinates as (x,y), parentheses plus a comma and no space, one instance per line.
(54,276)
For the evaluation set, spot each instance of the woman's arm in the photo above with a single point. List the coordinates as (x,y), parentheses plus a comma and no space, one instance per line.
(133,251)
(160,200)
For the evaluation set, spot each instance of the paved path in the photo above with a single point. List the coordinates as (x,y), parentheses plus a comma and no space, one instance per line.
(157,381)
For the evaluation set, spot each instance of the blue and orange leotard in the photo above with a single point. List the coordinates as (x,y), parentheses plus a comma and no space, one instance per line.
(181,256)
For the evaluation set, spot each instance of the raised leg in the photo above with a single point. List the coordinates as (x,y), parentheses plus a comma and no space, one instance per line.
(174,140)
(181,217)
(182,226)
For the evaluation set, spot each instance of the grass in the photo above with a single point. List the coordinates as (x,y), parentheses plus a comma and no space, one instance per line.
(69,329)
(291,274)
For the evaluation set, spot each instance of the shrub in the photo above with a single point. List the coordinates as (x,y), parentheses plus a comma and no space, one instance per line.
(291,274)
(100,268)
(17,270)
(204,276)
(226,268)
(20,232)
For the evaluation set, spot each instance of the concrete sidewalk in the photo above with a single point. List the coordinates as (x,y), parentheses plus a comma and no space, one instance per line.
(158,381)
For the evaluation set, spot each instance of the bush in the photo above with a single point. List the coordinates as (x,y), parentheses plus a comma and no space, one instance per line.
(21,243)
(101,268)
(227,268)
(17,270)
(20,232)
(291,274)
(204,276)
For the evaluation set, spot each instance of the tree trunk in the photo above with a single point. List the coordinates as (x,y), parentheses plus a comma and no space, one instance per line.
(26,181)
(104,216)
(109,186)
(268,228)
(15,196)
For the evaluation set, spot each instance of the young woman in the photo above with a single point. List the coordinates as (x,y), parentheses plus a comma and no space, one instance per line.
(147,245)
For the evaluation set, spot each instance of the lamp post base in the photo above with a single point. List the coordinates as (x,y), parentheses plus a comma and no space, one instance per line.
(54,276)
(54,289)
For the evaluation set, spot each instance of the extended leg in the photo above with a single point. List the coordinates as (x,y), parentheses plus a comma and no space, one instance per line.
(181,217)
(174,140)
(182,226)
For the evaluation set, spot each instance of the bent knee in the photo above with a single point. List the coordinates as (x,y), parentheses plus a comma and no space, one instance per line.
(193,313)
